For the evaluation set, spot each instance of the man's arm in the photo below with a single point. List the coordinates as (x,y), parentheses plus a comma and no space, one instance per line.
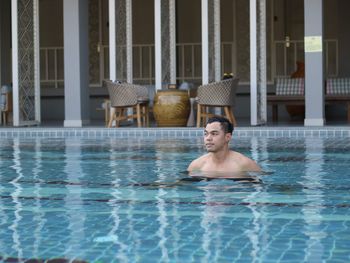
(192,166)
(250,165)
(196,165)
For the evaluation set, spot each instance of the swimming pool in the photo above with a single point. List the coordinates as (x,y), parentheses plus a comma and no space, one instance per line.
(122,200)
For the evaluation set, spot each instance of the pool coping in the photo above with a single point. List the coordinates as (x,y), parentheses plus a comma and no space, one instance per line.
(172,132)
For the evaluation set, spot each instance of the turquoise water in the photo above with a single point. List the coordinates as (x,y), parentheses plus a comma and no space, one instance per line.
(113,200)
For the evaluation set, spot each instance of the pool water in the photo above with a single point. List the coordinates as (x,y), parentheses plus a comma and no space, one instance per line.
(123,200)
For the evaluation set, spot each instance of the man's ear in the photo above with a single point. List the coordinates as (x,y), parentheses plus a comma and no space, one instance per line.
(228,137)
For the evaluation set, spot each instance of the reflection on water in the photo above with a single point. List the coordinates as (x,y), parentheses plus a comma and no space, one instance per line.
(162,209)
(76,199)
(210,223)
(115,207)
(312,211)
(73,200)
(259,223)
(38,219)
(17,246)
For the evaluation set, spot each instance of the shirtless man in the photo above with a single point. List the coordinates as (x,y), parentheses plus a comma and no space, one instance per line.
(220,159)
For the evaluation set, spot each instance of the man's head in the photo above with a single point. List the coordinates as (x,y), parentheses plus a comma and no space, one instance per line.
(217,134)
(226,125)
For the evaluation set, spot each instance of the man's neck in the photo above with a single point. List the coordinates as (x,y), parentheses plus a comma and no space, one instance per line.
(221,156)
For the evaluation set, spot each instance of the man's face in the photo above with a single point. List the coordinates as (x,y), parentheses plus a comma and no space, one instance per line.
(215,138)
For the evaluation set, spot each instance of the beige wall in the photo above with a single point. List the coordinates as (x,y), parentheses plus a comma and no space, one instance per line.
(227,20)
(143,17)
(188,21)
(51,23)
(288,20)
(5,42)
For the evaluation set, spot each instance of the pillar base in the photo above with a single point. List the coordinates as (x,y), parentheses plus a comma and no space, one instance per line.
(314,122)
(75,123)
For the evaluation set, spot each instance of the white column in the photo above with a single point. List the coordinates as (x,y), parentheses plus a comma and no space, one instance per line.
(314,69)
(165,42)
(129,60)
(26,82)
(158,44)
(112,42)
(205,43)
(253,65)
(262,103)
(172,26)
(15,88)
(76,63)
(217,40)
(258,62)
(37,62)
(211,41)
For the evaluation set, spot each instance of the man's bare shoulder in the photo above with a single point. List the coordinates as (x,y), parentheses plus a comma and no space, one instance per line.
(198,163)
(246,163)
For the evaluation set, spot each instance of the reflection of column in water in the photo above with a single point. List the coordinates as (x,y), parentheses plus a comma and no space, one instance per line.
(161,205)
(73,199)
(17,167)
(163,223)
(167,153)
(4,218)
(259,149)
(162,148)
(115,206)
(312,189)
(176,225)
(211,216)
(259,223)
(130,194)
(38,219)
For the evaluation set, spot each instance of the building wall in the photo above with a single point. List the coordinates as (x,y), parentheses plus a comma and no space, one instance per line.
(5,42)
(143,17)
(235,27)
(51,23)
(343,33)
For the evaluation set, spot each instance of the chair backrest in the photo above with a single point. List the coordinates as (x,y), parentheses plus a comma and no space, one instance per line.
(290,86)
(120,94)
(141,91)
(125,94)
(221,93)
(338,86)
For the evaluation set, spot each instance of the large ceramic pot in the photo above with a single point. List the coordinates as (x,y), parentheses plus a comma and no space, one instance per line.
(171,108)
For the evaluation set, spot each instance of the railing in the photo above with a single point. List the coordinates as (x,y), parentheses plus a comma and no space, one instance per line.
(286,54)
(143,70)
(143,61)
(189,61)
(52,66)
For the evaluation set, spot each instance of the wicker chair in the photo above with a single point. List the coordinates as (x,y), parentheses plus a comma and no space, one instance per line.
(123,96)
(220,94)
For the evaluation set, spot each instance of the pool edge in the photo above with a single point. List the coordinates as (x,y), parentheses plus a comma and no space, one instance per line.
(172,132)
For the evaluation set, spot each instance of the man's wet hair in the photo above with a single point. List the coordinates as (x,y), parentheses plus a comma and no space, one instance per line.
(226,125)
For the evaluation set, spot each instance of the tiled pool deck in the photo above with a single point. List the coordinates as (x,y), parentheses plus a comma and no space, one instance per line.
(91,132)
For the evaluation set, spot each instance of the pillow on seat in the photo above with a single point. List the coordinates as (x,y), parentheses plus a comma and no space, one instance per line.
(290,86)
(338,86)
